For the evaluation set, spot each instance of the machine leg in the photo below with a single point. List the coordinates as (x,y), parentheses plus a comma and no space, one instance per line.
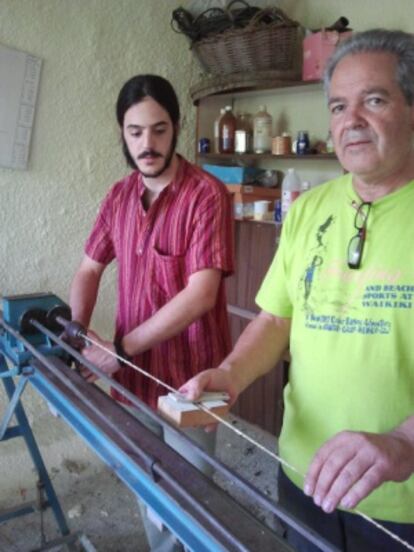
(24,430)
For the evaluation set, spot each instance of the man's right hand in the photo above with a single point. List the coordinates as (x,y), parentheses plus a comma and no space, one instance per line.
(77,343)
(258,349)
(214,379)
(108,363)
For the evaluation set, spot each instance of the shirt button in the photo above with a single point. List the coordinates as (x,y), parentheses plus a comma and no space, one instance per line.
(140,251)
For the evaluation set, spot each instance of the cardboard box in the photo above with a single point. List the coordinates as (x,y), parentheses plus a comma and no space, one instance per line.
(233,174)
(245,196)
(317,48)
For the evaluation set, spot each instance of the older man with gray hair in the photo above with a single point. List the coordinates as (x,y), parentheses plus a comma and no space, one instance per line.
(349,401)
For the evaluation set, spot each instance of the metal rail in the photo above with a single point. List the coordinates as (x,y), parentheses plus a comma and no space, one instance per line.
(54,380)
(192,506)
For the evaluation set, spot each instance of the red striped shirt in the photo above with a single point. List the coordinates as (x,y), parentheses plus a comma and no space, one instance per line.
(188,228)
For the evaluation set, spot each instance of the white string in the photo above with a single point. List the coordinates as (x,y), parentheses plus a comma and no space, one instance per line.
(242,435)
(280,459)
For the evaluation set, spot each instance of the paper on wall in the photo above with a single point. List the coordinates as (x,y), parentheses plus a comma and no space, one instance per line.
(19,83)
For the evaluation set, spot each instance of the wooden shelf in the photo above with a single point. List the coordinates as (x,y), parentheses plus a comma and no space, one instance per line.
(263,156)
(239,83)
(255,221)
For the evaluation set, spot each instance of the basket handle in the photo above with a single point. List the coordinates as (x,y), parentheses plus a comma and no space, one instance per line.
(276,13)
(181,21)
(203,14)
(231,14)
(230,4)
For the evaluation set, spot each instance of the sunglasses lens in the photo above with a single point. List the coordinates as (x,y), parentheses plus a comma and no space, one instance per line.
(357,242)
(354,251)
(362,215)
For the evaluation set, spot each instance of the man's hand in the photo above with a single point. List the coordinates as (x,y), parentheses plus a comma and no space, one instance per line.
(106,362)
(348,467)
(214,379)
(77,343)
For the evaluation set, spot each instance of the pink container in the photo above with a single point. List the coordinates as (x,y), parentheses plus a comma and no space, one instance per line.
(317,48)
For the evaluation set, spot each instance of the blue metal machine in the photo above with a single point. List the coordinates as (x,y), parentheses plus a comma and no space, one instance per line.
(12,349)
(203,516)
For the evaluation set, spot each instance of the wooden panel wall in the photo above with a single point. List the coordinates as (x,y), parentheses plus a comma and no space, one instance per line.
(262,402)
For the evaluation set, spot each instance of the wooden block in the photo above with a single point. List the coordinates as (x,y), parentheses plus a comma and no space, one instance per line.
(186,414)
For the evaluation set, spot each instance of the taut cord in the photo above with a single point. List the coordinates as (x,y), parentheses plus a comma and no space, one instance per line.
(242,435)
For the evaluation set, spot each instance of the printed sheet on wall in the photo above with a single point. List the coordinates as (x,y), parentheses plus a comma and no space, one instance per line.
(19,83)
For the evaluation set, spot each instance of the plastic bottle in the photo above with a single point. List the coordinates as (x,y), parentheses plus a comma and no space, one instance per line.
(217,131)
(227,130)
(262,131)
(291,188)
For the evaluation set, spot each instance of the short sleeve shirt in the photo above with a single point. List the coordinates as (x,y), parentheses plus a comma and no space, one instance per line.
(188,228)
(351,333)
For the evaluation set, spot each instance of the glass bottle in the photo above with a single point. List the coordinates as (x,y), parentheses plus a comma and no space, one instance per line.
(329,143)
(302,144)
(217,131)
(262,131)
(244,132)
(227,130)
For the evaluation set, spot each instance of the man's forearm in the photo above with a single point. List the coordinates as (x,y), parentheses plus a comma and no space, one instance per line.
(190,304)
(169,321)
(259,348)
(83,294)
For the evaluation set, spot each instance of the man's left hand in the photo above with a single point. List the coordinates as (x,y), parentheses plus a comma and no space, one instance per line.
(352,464)
(103,360)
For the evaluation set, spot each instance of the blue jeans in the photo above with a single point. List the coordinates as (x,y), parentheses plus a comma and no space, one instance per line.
(348,532)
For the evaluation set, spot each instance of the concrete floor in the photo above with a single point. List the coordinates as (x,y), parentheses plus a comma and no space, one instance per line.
(98,504)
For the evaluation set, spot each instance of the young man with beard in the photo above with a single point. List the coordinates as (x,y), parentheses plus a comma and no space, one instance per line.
(168,224)
(349,403)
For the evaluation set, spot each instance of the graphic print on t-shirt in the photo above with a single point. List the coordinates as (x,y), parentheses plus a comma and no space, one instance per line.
(316,260)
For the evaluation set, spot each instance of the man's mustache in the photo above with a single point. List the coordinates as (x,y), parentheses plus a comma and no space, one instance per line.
(149,153)
(357,136)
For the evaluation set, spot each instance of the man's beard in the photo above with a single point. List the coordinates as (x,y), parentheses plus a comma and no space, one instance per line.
(165,166)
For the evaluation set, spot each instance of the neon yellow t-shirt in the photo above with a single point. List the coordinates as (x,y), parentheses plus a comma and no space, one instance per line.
(352,331)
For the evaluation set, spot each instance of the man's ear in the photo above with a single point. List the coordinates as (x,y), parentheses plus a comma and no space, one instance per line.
(177,128)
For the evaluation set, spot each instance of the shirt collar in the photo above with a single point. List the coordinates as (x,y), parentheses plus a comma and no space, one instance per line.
(174,185)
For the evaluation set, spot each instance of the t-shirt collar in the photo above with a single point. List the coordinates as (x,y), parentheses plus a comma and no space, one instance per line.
(353,196)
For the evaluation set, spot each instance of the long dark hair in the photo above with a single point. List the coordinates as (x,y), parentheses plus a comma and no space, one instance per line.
(135,90)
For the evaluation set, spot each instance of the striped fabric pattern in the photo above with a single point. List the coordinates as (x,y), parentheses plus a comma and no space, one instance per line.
(188,228)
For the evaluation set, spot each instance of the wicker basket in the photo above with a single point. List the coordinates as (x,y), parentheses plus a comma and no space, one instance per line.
(257,47)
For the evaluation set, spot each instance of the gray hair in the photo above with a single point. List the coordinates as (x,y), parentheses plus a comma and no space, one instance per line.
(398,43)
